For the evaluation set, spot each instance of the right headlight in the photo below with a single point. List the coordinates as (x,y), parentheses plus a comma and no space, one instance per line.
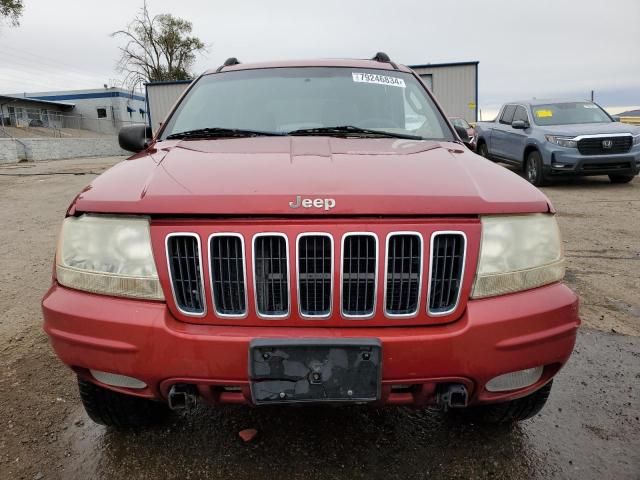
(517,253)
(567,142)
(636,140)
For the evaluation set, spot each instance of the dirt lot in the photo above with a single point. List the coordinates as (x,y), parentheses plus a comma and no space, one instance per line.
(589,429)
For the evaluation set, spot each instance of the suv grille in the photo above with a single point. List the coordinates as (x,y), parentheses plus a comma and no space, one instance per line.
(359,262)
(315,260)
(595,146)
(183,256)
(271,275)
(404,262)
(228,275)
(447,266)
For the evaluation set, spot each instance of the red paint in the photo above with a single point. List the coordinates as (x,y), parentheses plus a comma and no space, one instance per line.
(143,339)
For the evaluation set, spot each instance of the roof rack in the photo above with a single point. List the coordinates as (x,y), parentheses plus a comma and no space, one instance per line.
(228,63)
(384,58)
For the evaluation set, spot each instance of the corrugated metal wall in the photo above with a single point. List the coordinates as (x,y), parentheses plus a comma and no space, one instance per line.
(161,97)
(455,88)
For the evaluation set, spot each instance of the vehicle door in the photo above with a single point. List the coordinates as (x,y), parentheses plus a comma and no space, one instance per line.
(515,139)
(497,144)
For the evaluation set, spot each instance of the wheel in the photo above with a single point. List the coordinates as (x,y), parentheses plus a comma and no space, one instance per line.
(118,410)
(510,412)
(621,178)
(483,151)
(533,169)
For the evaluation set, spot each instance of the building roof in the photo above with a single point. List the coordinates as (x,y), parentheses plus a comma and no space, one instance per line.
(448,64)
(630,113)
(5,99)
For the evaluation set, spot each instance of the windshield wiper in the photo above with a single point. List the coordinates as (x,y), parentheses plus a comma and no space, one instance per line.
(221,132)
(352,131)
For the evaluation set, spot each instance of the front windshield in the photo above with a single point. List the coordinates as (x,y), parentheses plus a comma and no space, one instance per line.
(284,100)
(569,113)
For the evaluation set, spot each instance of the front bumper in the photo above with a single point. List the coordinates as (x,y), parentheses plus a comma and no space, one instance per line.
(141,339)
(571,162)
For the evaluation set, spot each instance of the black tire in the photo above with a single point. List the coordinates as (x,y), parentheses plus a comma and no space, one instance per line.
(482,150)
(510,412)
(118,410)
(533,171)
(621,178)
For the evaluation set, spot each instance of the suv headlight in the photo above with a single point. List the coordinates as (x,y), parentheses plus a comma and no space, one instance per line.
(518,253)
(568,142)
(108,255)
(636,140)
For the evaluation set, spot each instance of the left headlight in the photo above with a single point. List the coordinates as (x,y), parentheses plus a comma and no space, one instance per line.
(567,142)
(108,255)
(636,140)
(518,253)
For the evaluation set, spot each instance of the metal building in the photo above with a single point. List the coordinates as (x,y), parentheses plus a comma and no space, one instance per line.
(161,96)
(455,85)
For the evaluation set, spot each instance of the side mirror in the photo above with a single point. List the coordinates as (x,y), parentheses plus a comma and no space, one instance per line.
(615,118)
(462,133)
(134,138)
(520,124)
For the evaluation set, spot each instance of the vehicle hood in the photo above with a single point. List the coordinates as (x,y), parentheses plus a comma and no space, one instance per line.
(261,176)
(590,129)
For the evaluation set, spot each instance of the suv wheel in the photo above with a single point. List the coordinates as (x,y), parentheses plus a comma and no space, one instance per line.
(533,169)
(115,409)
(483,151)
(621,178)
(510,412)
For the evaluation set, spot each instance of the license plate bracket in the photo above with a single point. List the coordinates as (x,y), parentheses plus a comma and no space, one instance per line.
(315,370)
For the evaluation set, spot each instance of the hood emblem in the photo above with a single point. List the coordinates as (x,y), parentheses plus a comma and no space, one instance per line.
(607,144)
(324,203)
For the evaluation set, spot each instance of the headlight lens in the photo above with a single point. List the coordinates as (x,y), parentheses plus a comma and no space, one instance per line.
(108,255)
(562,141)
(636,140)
(518,253)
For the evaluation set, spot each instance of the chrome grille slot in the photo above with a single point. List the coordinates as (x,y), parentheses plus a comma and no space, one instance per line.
(226,253)
(184,260)
(315,272)
(271,275)
(403,274)
(359,268)
(447,268)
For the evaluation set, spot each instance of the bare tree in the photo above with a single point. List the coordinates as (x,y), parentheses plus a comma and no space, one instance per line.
(11,10)
(157,48)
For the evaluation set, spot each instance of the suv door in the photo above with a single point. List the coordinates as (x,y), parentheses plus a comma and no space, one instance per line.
(515,139)
(498,135)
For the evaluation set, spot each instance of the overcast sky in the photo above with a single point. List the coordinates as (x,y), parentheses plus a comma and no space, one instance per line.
(538,48)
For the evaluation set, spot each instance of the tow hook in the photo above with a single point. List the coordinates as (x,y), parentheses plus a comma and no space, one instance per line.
(183,397)
(452,396)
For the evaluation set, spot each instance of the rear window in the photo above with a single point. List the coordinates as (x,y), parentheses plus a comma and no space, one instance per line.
(569,113)
(287,99)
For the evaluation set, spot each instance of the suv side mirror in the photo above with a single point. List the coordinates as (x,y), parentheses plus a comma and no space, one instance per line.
(615,118)
(462,133)
(520,124)
(134,138)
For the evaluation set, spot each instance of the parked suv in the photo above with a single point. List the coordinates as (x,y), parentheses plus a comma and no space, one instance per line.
(557,138)
(287,238)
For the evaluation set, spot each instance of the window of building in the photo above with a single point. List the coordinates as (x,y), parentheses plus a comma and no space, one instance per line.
(102,113)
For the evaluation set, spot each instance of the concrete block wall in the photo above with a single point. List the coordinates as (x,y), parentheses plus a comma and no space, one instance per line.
(35,149)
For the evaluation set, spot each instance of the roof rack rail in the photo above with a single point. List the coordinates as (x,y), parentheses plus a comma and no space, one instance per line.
(228,63)
(384,58)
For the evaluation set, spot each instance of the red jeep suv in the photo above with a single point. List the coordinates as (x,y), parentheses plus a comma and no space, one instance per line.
(292,234)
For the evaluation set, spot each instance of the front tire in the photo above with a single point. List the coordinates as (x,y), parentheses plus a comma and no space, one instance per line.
(621,178)
(533,169)
(510,412)
(482,150)
(115,409)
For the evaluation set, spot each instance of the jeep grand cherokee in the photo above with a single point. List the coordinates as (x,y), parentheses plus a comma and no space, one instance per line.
(292,234)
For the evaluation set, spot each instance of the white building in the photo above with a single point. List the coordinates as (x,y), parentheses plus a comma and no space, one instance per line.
(103,110)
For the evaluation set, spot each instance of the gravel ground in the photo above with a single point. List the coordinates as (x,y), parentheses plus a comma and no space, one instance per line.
(589,429)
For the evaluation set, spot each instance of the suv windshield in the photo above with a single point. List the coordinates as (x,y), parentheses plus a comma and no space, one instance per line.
(285,100)
(569,113)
